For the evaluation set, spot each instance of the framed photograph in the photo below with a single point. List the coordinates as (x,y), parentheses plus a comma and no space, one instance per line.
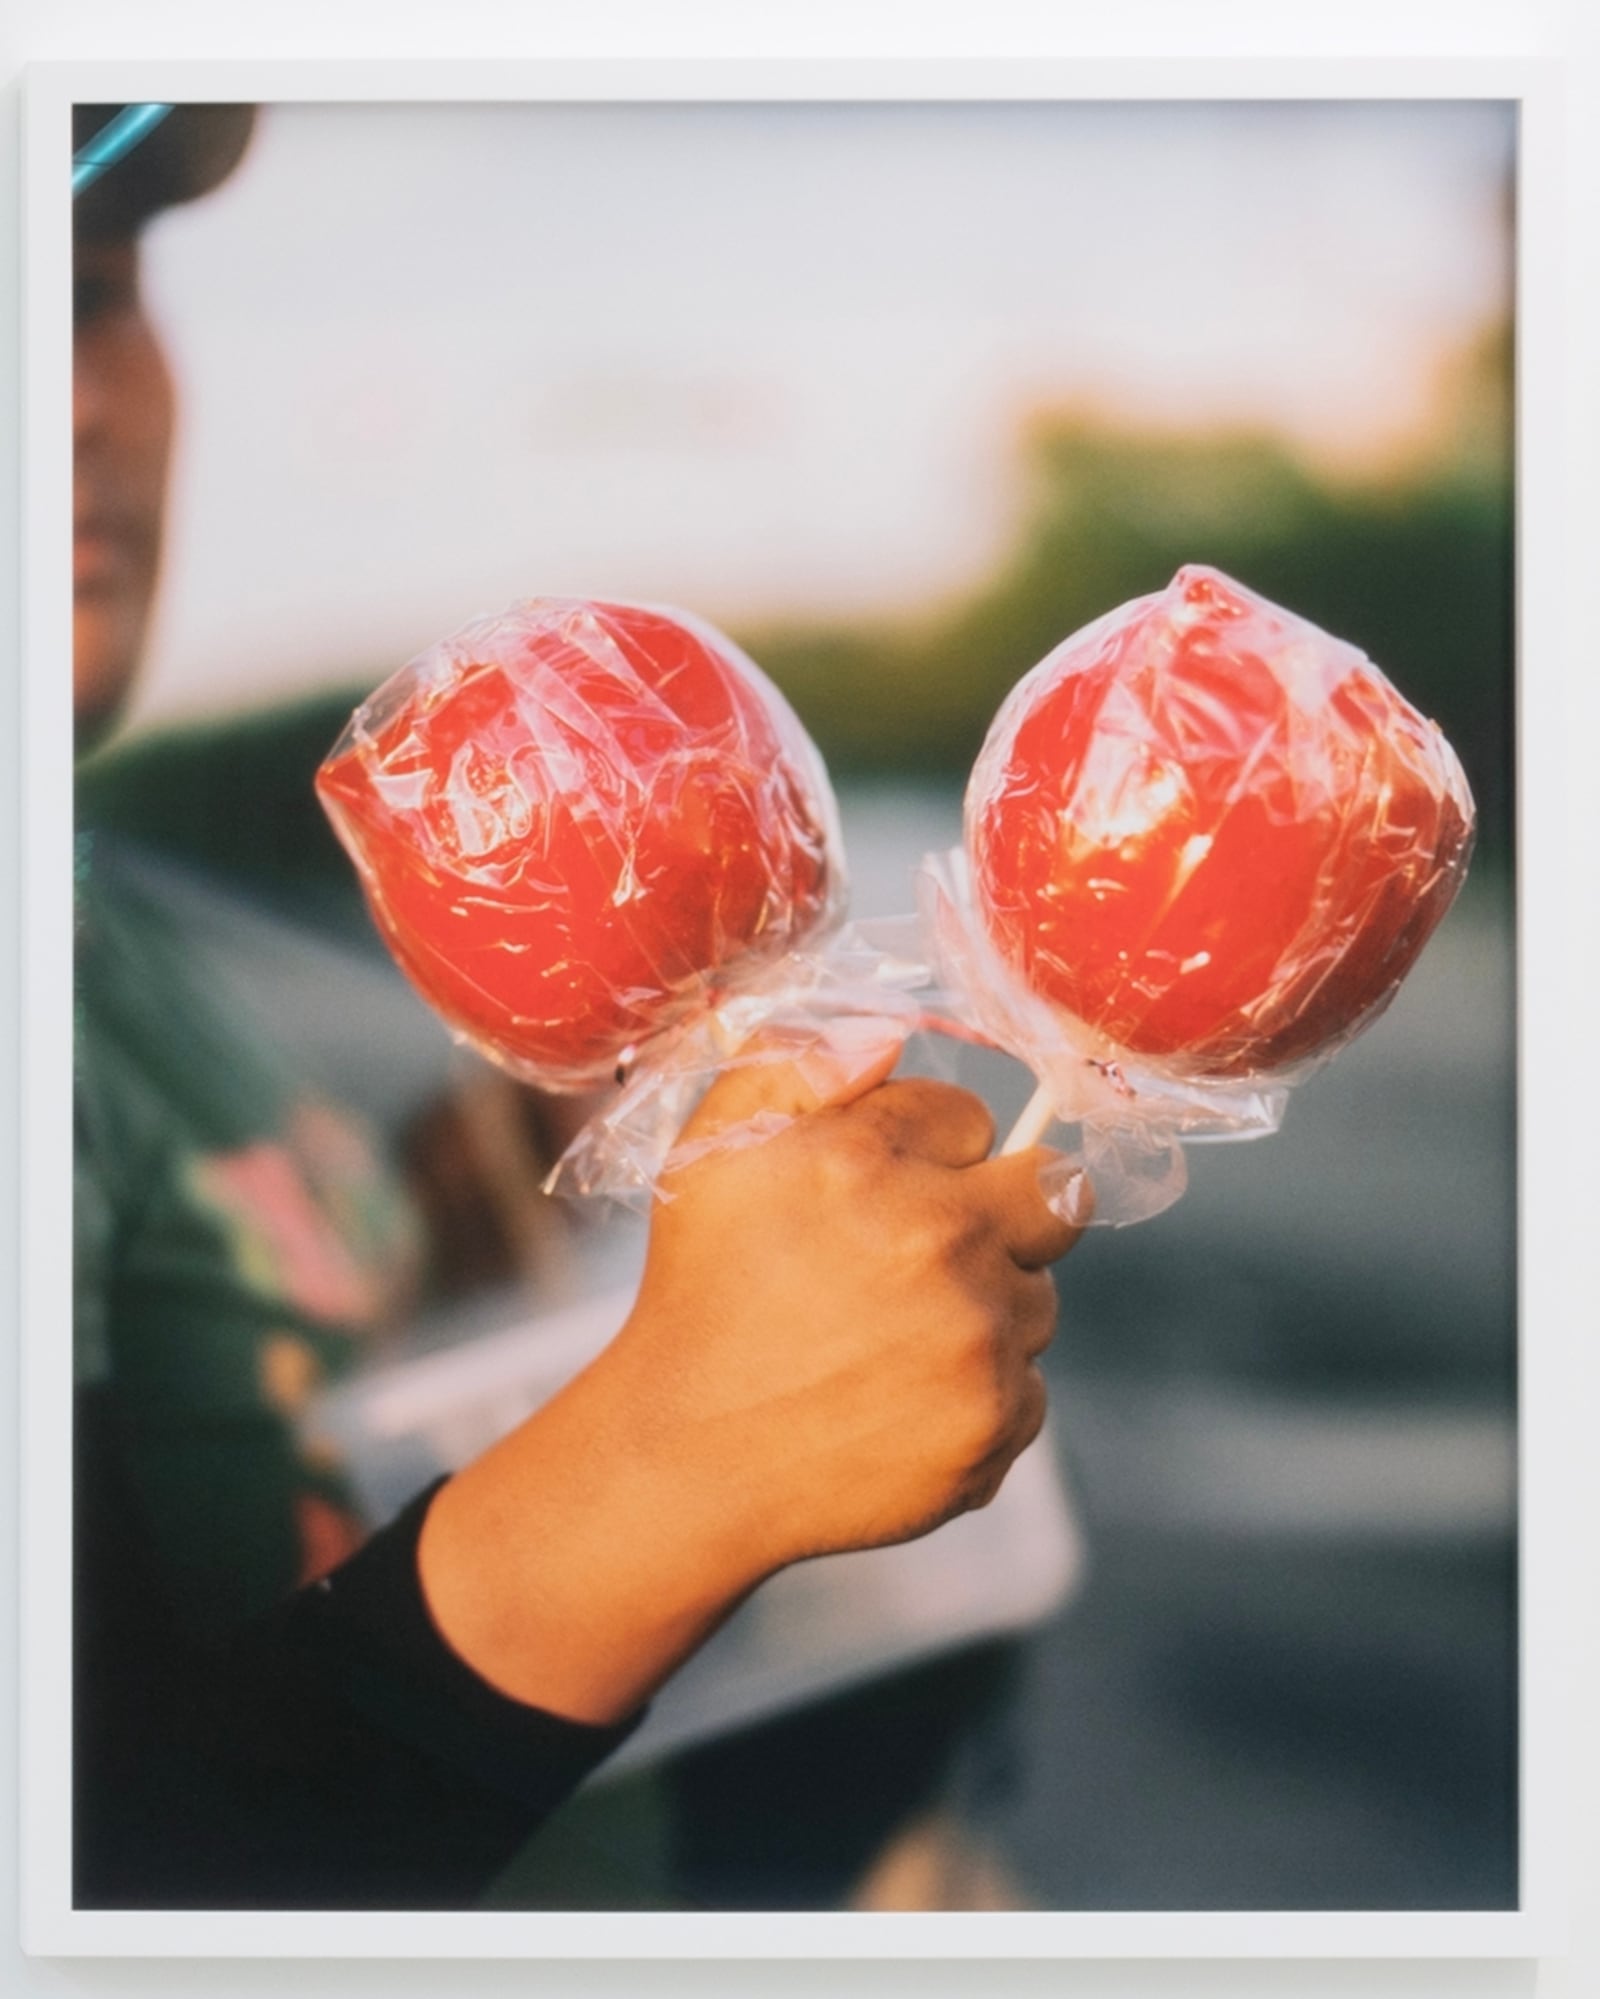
(897,381)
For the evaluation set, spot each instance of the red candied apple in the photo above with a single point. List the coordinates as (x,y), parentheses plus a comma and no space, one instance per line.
(577,823)
(1213,834)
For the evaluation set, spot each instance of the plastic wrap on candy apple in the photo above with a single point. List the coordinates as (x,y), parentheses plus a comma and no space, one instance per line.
(579,824)
(1210,836)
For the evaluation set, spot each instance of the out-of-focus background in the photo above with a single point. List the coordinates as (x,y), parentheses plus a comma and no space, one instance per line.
(900,395)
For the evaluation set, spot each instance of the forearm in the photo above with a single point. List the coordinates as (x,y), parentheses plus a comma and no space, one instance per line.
(577,1564)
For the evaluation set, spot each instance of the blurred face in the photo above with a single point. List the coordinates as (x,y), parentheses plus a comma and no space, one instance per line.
(122,431)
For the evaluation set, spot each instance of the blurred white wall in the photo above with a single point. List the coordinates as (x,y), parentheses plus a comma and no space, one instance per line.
(752,358)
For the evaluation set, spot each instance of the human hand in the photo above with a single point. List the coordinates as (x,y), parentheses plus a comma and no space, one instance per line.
(839,1325)
(833,1347)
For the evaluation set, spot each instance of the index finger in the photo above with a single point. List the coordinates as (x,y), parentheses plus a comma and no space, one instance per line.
(789,1076)
(1036,1228)
(930,1120)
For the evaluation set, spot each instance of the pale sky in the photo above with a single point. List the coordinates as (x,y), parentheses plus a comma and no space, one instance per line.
(752,359)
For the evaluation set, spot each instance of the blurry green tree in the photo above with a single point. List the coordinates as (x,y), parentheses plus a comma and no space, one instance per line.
(1414,563)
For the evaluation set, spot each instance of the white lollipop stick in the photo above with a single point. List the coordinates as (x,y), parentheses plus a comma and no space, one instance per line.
(1038,1115)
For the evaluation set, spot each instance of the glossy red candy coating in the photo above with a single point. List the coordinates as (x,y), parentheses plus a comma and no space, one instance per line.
(577,824)
(1212,834)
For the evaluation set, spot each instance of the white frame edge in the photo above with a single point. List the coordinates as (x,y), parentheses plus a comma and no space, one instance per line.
(51,1927)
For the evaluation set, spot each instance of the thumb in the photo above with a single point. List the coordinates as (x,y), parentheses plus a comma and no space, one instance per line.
(784,1074)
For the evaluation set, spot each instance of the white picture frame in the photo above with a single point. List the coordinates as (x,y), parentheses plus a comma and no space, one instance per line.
(51,1927)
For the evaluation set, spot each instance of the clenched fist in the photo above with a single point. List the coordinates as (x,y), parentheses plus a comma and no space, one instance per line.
(833,1347)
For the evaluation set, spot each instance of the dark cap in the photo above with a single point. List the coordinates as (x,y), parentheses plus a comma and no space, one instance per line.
(190,152)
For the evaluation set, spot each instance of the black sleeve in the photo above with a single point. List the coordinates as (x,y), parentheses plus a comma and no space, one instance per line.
(334,1755)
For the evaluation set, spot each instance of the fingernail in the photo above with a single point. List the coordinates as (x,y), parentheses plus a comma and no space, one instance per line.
(863,1034)
(847,1050)
(1067,1191)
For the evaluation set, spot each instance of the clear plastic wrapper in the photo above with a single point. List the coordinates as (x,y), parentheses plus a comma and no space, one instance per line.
(1204,844)
(602,847)
(858,989)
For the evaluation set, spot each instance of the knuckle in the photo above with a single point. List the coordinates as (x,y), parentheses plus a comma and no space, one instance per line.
(994,1407)
(973,1339)
(987,1478)
(938,1237)
(1034,1408)
(896,1112)
(943,1106)
(977,1119)
(925,1238)
(1039,1311)
(973,1230)
(985,1416)
(847,1169)
(1021,1423)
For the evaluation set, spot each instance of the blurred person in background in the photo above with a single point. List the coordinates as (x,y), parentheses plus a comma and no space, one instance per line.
(276,1708)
